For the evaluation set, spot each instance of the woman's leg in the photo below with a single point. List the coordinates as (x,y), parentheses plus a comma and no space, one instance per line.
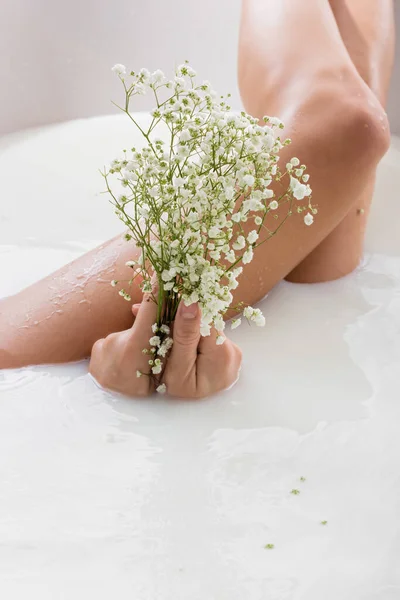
(368,30)
(59,318)
(293,63)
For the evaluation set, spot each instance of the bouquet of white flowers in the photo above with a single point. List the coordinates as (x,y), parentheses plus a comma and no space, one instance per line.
(184,202)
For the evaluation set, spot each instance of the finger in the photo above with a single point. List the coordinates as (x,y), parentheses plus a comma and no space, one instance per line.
(135,309)
(186,338)
(146,316)
(210,343)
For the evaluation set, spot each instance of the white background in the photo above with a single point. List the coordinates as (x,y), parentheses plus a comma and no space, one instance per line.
(55,56)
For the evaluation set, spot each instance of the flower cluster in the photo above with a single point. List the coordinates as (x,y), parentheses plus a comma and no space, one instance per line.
(197,206)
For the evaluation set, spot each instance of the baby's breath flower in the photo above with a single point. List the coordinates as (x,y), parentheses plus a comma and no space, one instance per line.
(185,202)
(308,219)
(139,373)
(220,340)
(157,368)
(235,323)
(119,69)
(247,256)
(248,180)
(125,295)
(252,237)
(165,347)
(240,243)
(114,282)
(162,388)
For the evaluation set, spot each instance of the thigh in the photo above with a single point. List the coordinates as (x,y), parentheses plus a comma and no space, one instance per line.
(368,32)
(367,28)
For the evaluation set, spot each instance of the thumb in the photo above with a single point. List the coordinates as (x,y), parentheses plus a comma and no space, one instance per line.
(186,337)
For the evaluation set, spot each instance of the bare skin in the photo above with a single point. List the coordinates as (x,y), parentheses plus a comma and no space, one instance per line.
(293,63)
(196,366)
(368,32)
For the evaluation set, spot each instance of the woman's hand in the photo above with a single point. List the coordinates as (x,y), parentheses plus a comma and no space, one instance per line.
(116,359)
(196,366)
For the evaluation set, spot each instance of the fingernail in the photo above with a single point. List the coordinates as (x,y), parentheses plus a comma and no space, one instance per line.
(189,312)
(136,305)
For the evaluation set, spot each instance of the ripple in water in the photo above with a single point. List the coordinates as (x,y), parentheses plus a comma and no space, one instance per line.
(15,378)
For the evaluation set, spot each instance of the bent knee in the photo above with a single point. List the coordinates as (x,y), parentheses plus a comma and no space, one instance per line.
(369,130)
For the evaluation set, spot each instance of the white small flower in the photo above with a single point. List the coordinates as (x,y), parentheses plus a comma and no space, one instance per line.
(229,192)
(295,162)
(161,388)
(248,180)
(130,263)
(235,323)
(165,346)
(205,329)
(258,220)
(154,328)
(230,256)
(214,232)
(165,329)
(273,205)
(252,237)
(145,74)
(247,256)
(240,243)
(258,318)
(114,282)
(299,189)
(220,340)
(185,136)
(124,295)
(119,69)
(248,312)
(139,373)
(275,122)
(236,217)
(157,77)
(219,323)
(155,340)
(157,366)
(140,89)
(167,275)
(308,219)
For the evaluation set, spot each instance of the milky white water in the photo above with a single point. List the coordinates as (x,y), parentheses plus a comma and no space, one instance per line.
(105,497)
